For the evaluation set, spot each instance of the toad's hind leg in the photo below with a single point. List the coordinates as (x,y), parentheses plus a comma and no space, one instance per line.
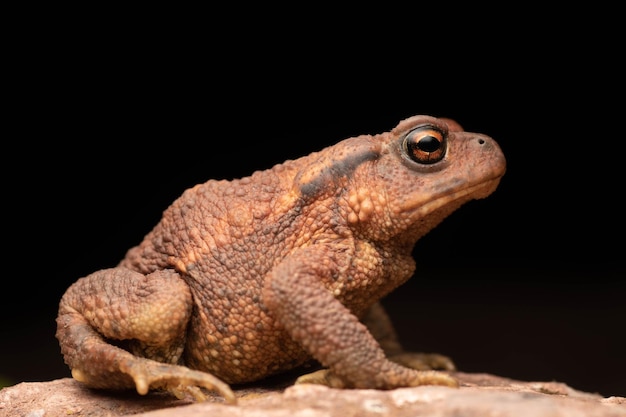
(145,314)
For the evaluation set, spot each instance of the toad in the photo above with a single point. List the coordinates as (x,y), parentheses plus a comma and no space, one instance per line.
(252,277)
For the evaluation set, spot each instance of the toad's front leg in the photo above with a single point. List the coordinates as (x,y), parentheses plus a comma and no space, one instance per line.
(380,326)
(299,301)
(147,315)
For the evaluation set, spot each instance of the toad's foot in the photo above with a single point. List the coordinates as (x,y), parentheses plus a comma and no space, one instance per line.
(326,377)
(177,380)
(424,361)
(321,377)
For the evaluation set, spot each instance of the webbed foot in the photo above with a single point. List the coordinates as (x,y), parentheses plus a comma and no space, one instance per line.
(328,378)
(147,374)
(424,361)
(175,379)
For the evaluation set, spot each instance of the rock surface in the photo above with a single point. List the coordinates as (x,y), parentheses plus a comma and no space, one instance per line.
(480,395)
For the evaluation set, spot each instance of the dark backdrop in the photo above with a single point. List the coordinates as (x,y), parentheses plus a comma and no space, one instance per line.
(526,284)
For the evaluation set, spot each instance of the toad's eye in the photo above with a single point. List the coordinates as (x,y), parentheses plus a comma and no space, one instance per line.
(425,145)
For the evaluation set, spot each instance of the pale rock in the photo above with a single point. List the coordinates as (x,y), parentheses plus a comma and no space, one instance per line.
(480,395)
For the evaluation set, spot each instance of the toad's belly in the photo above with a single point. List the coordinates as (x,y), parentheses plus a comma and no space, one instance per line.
(239,352)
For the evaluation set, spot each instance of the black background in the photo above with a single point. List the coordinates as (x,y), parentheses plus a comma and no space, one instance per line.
(528,283)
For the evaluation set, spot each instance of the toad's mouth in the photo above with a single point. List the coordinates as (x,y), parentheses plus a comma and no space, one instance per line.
(425,206)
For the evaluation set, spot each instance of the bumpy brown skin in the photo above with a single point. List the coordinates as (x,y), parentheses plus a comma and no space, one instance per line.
(247,278)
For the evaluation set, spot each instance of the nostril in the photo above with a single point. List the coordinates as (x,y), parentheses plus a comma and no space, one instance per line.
(481,141)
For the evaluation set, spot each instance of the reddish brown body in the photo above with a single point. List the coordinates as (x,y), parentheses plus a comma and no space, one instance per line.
(247,278)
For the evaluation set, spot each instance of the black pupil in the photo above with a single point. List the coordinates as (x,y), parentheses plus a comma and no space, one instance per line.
(428,144)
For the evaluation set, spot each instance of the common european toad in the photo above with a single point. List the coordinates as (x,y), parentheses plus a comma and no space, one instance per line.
(248,278)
